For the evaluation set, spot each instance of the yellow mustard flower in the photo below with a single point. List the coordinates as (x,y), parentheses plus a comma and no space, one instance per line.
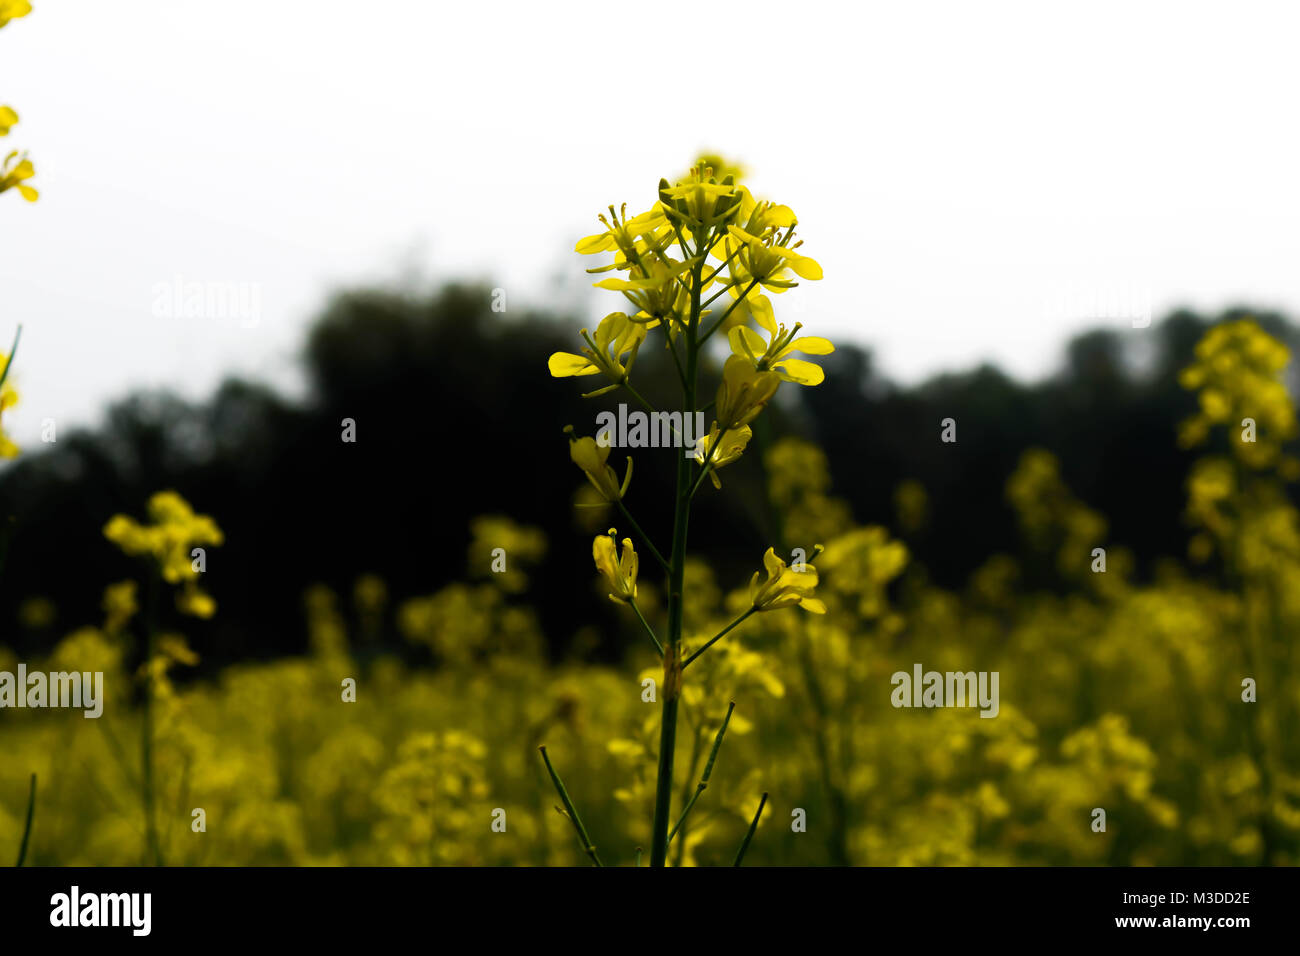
(767,260)
(14,172)
(774,354)
(784,586)
(634,238)
(8,399)
(618,570)
(656,291)
(13,9)
(744,392)
(722,167)
(592,457)
(700,199)
(727,447)
(120,605)
(175,530)
(8,120)
(1237,372)
(616,336)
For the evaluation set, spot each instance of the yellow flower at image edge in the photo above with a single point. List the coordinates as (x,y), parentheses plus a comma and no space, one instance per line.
(8,120)
(8,399)
(16,169)
(618,571)
(784,586)
(13,9)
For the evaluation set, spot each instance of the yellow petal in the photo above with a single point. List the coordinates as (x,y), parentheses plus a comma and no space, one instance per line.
(563,364)
(746,343)
(800,372)
(602,242)
(805,268)
(810,345)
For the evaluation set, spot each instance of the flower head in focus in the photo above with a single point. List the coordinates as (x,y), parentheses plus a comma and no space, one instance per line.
(726,447)
(618,570)
(616,336)
(774,354)
(743,392)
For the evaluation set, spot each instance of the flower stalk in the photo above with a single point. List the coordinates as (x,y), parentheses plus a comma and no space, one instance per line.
(707,215)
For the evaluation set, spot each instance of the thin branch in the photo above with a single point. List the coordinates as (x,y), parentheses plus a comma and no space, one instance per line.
(708,770)
(740,855)
(12,352)
(644,623)
(730,309)
(719,636)
(27,829)
(570,811)
(645,538)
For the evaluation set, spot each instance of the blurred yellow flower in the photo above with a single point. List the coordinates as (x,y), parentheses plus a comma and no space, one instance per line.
(175,530)
(784,586)
(13,9)
(14,172)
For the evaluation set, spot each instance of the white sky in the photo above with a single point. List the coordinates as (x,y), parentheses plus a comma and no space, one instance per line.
(969,175)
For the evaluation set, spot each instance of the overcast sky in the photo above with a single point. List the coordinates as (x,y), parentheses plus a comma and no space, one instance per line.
(974,178)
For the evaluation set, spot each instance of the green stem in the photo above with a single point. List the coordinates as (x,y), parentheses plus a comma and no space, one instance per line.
(570,810)
(740,854)
(12,352)
(730,309)
(676,574)
(27,828)
(645,538)
(708,770)
(719,636)
(154,848)
(646,624)
(637,395)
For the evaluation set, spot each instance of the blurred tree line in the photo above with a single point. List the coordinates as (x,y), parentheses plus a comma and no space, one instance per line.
(457,416)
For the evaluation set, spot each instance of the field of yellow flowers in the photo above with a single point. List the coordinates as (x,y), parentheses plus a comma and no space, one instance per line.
(1114,695)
